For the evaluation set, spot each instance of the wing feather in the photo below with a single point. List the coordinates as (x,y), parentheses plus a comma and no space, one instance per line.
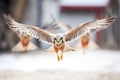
(88,27)
(30,30)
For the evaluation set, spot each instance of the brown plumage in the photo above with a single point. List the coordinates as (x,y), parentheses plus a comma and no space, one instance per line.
(59,40)
(25,40)
(85,40)
(59,48)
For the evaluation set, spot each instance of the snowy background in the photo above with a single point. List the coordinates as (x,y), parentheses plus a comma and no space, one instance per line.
(94,64)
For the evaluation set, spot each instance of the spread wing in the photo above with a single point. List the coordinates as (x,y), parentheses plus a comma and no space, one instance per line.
(30,30)
(88,27)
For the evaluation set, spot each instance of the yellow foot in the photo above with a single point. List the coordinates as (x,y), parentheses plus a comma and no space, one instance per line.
(61,57)
(58,57)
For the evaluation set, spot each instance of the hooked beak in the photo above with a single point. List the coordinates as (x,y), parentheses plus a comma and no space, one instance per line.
(58,40)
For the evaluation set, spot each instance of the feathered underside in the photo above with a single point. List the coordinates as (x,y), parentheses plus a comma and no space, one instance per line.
(88,27)
(30,30)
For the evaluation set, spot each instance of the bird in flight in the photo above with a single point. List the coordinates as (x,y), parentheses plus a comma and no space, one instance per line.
(24,43)
(59,40)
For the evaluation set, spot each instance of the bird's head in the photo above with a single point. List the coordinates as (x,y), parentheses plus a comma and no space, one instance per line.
(58,39)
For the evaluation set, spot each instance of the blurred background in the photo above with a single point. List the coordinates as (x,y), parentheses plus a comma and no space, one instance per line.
(72,12)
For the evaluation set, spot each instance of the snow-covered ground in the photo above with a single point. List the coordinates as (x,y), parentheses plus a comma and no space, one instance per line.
(92,61)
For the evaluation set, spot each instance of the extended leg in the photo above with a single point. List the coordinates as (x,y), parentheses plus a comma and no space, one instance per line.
(59,56)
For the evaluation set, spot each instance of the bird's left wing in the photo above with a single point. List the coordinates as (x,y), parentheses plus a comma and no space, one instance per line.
(88,27)
(29,30)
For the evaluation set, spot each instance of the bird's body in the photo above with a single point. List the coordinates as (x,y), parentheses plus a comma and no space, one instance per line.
(59,50)
(58,43)
(85,40)
(59,40)
(25,40)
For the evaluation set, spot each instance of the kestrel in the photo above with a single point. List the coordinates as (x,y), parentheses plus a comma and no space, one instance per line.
(24,41)
(59,40)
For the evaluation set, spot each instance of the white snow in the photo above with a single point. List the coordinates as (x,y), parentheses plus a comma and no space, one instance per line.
(98,60)
(92,3)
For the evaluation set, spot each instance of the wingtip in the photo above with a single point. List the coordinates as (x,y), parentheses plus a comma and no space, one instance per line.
(6,16)
(111,19)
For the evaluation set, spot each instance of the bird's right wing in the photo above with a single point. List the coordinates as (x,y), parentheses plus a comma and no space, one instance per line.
(29,30)
(88,27)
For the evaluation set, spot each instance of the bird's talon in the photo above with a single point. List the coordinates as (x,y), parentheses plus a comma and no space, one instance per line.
(59,58)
